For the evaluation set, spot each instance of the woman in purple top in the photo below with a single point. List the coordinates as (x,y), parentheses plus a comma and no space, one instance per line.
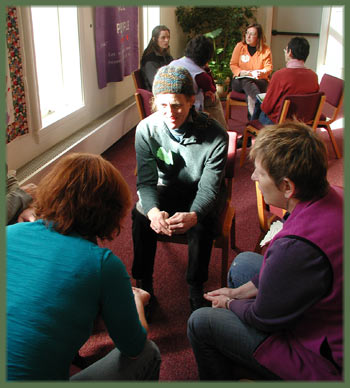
(281,316)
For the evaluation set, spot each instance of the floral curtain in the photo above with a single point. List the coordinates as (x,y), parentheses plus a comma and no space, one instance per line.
(17,124)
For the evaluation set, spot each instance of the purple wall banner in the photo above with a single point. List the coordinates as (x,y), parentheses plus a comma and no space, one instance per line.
(116,40)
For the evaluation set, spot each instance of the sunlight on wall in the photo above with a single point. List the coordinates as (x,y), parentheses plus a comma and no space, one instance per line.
(151,19)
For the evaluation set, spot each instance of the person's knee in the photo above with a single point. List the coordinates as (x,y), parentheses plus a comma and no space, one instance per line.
(152,350)
(244,266)
(198,322)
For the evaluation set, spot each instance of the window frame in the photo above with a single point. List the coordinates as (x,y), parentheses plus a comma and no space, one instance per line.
(31,81)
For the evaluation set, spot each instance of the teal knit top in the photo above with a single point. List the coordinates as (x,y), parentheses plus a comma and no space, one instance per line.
(56,285)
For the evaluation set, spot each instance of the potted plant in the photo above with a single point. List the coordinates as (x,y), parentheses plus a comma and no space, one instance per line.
(219,68)
(224,25)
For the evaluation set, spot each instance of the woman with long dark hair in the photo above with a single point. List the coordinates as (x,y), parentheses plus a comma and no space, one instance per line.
(156,55)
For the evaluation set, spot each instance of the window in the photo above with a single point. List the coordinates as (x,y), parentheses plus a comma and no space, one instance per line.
(57,57)
(334,54)
(151,19)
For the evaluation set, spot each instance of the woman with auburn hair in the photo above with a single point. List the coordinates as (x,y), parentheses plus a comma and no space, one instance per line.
(251,65)
(59,279)
(156,55)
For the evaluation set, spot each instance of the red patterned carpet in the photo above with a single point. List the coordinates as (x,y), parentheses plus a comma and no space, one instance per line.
(168,327)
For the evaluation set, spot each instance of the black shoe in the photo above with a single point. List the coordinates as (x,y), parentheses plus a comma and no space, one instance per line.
(79,361)
(150,308)
(198,302)
(145,284)
(240,142)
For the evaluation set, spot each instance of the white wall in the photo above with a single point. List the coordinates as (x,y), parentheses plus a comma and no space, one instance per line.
(295,19)
(177,36)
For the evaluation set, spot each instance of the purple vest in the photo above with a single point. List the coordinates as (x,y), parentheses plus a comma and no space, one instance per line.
(295,354)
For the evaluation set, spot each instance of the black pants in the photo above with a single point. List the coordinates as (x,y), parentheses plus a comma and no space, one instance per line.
(200,241)
(251,87)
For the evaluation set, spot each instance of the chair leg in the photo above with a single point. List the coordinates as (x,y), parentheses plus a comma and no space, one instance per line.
(227,111)
(244,147)
(258,248)
(334,143)
(224,262)
(233,232)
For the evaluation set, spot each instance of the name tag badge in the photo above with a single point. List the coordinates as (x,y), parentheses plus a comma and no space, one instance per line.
(245,58)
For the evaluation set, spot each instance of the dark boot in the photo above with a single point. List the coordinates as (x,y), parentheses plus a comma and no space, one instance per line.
(145,284)
(196,298)
(240,142)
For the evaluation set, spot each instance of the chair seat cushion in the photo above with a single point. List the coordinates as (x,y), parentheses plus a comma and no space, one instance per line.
(237,96)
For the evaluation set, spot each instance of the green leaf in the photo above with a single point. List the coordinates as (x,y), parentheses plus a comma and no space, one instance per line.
(213,34)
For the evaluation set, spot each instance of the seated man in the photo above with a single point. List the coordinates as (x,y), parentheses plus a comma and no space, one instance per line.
(181,157)
(281,317)
(294,79)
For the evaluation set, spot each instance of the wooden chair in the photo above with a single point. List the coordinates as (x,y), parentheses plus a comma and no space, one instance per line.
(137,78)
(267,214)
(226,239)
(333,88)
(143,99)
(234,99)
(306,108)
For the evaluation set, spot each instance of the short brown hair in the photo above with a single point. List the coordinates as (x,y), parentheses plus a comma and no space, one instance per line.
(292,150)
(85,194)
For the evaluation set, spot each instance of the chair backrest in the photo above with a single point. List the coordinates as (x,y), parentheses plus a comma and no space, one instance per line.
(304,107)
(230,164)
(143,99)
(333,88)
(137,78)
(276,212)
(231,154)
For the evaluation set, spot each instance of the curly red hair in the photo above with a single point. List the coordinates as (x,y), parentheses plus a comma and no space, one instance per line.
(84,194)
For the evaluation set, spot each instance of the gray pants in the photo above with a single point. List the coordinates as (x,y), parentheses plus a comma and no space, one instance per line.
(251,87)
(222,344)
(116,366)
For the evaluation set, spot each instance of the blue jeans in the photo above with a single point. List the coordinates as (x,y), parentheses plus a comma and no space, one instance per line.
(245,266)
(260,115)
(222,344)
(265,119)
(116,366)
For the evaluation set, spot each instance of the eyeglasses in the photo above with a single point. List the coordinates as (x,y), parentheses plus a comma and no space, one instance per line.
(285,50)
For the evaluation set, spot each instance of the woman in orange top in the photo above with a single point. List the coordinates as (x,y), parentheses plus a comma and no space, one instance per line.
(251,65)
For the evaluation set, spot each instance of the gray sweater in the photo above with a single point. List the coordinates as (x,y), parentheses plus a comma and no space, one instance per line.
(193,167)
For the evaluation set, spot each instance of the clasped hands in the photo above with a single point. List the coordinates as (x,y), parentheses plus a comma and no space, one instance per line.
(218,298)
(178,223)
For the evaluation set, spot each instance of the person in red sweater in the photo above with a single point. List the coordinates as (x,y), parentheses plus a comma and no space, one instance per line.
(295,78)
